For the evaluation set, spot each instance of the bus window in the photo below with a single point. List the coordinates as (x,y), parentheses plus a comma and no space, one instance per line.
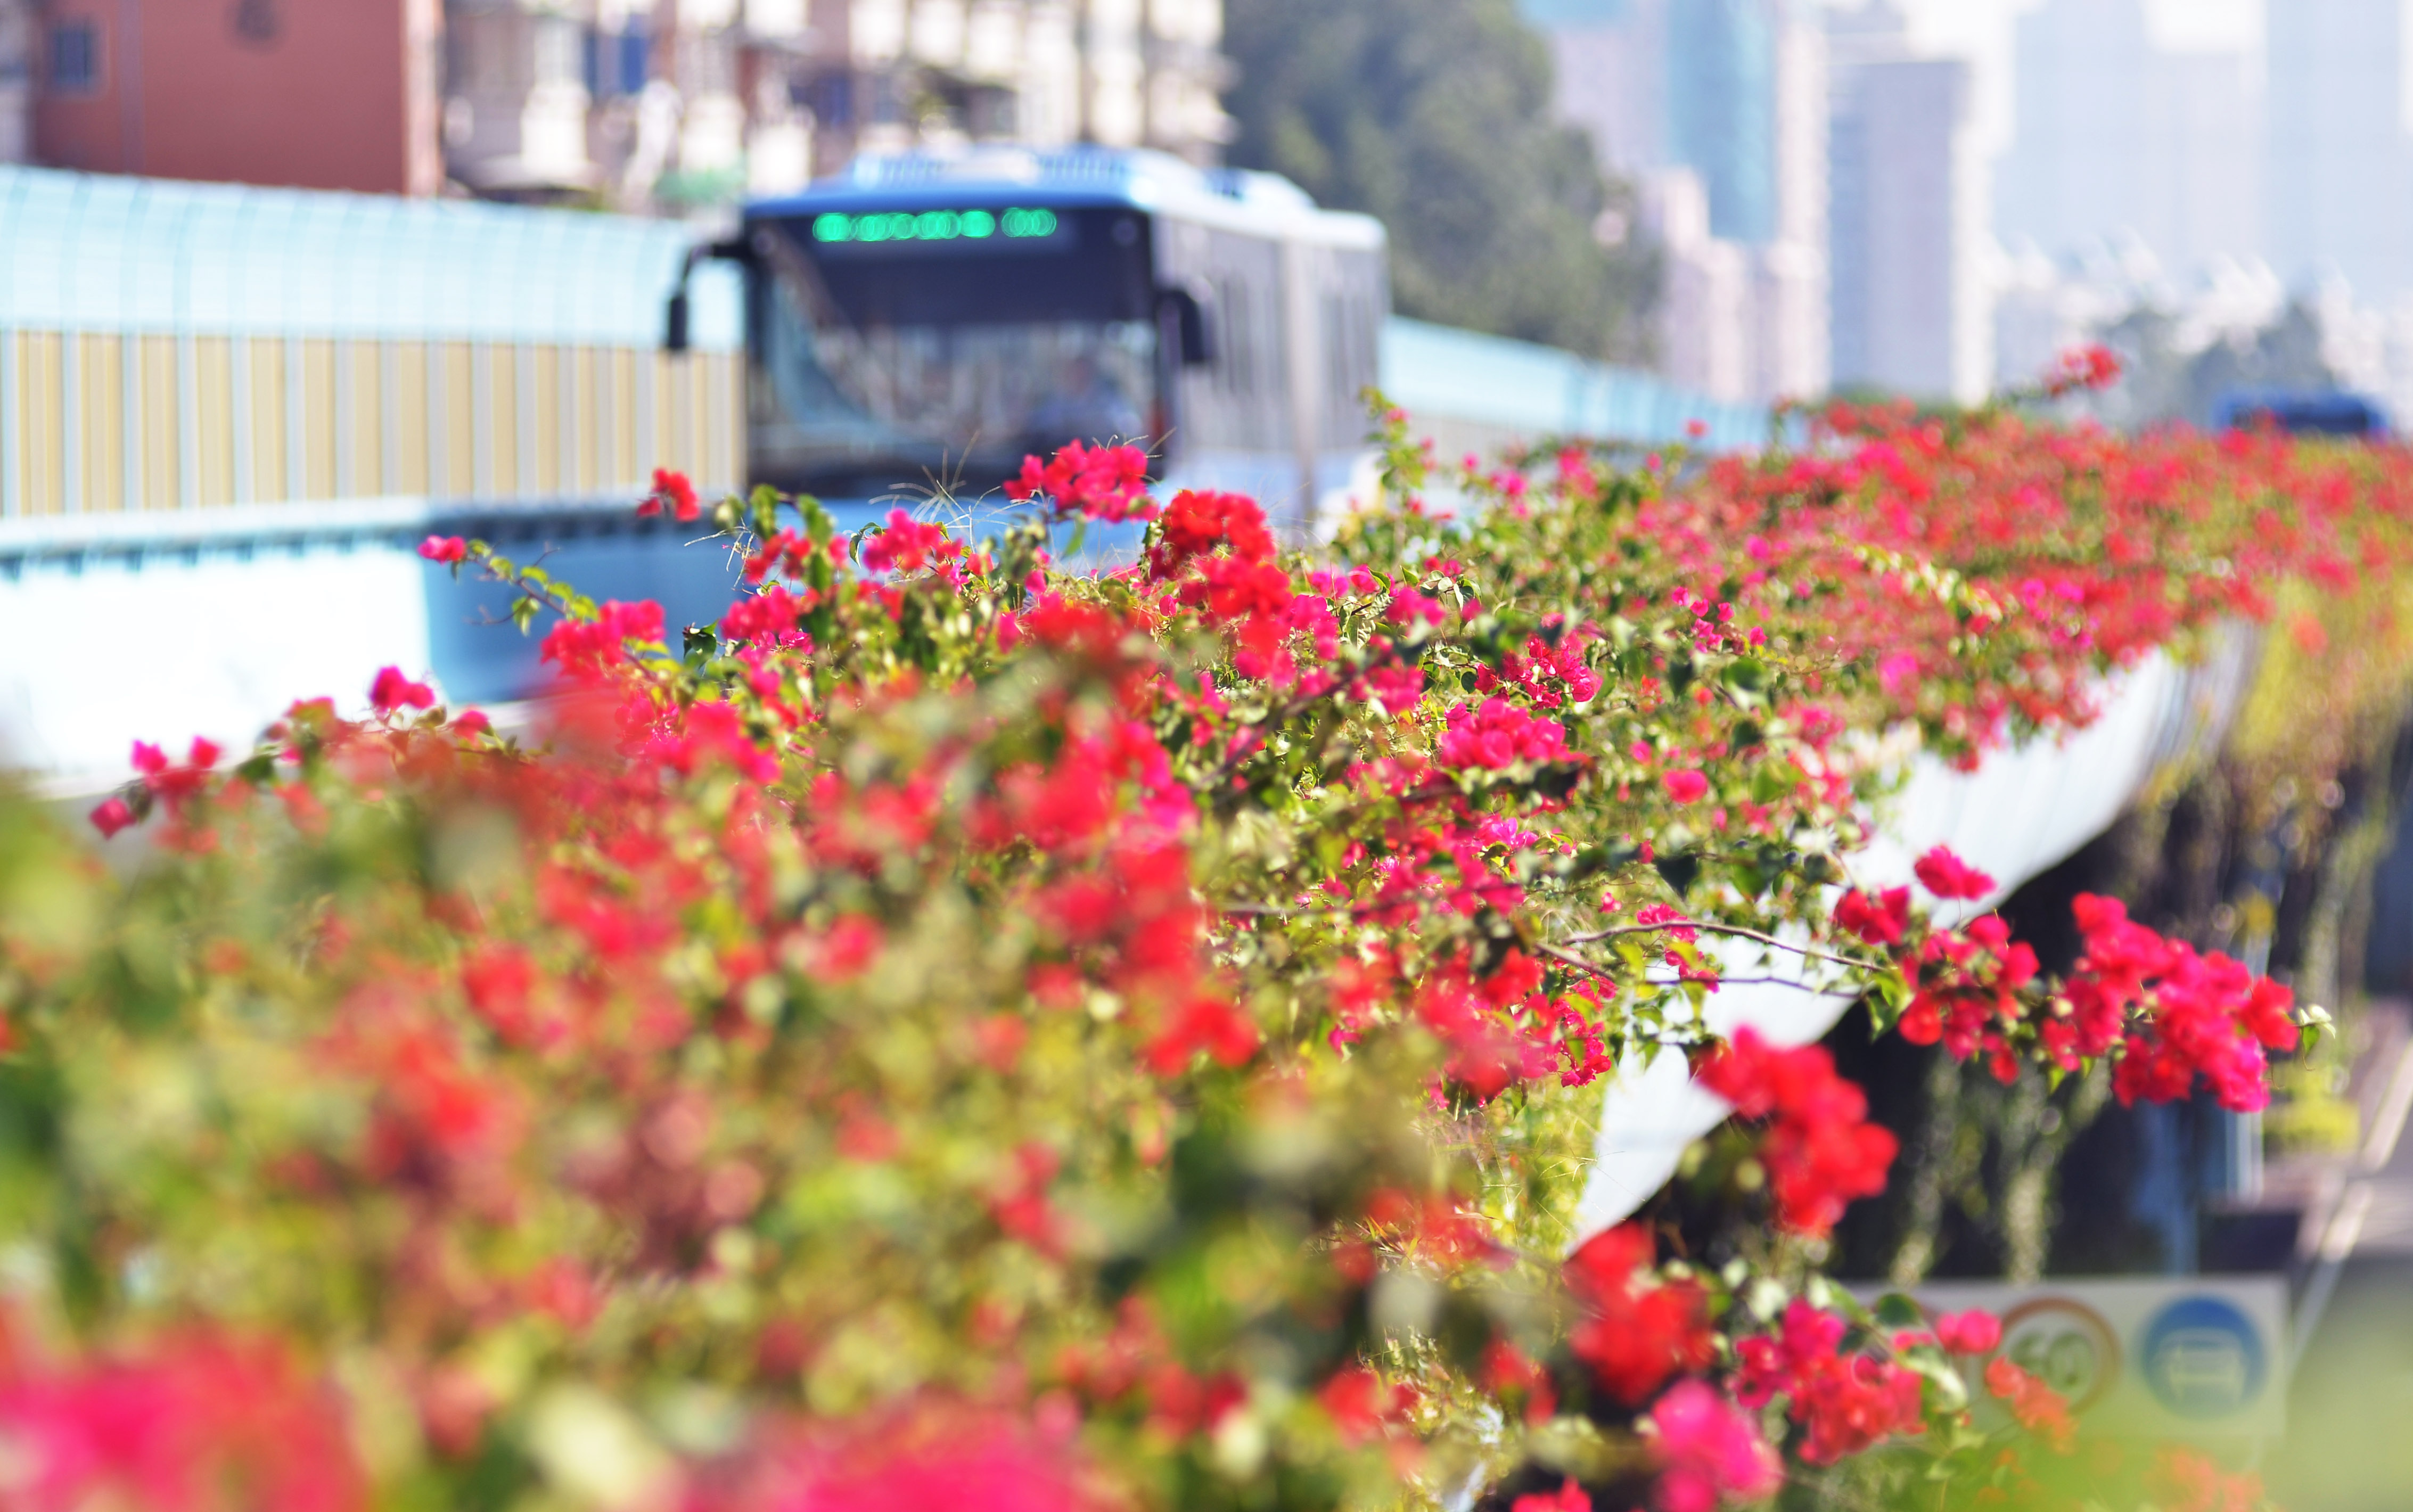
(886,358)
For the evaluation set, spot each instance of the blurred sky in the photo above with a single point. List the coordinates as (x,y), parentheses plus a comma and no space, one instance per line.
(1981,30)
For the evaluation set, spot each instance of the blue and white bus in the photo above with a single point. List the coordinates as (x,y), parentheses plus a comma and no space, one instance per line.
(925,321)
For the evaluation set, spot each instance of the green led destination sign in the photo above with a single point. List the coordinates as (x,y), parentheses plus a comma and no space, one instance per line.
(934,225)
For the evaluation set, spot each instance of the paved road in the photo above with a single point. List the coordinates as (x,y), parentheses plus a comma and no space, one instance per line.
(2351,1414)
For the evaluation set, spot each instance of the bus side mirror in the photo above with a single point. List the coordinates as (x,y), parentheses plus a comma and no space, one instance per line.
(675,335)
(675,338)
(1187,315)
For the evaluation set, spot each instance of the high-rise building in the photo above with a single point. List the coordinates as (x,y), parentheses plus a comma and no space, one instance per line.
(1719,107)
(2341,158)
(1706,292)
(2115,135)
(634,104)
(1907,237)
(1722,110)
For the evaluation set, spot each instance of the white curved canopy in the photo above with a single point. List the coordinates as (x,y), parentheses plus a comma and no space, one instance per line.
(2021,813)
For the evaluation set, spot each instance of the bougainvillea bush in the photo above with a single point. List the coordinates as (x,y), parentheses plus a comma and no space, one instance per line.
(961,1033)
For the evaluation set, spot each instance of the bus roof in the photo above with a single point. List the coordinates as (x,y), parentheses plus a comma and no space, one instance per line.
(1227,198)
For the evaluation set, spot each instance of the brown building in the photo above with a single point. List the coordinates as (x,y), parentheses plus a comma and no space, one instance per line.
(315,94)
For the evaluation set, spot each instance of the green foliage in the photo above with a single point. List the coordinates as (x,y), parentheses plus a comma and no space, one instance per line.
(1436,116)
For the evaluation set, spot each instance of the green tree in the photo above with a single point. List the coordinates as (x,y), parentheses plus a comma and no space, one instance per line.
(1434,115)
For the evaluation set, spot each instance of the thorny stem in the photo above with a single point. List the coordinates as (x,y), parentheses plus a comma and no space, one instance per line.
(1810,952)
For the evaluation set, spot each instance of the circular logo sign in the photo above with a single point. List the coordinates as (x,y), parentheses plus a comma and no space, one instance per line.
(2066,1344)
(2203,1358)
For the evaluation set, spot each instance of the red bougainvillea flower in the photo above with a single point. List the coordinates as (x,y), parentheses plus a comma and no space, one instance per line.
(1360,1405)
(1197,523)
(1845,1401)
(672,493)
(1569,1497)
(1107,482)
(1205,1023)
(448,550)
(1636,1333)
(588,647)
(2039,1408)
(2190,1480)
(1946,875)
(1882,920)
(1709,1452)
(905,545)
(2187,1014)
(2094,366)
(393,690)
(1820,1151)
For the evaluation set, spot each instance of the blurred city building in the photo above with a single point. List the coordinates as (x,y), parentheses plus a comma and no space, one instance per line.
(1908,249)
(2290,159)
(2116,136)
(680,102)
(2340,148)
(890,74)
(1716,110)
(634,104)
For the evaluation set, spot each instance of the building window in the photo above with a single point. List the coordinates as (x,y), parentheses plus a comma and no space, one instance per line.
(617,62)
(75,57)
(636,65)
(557,51)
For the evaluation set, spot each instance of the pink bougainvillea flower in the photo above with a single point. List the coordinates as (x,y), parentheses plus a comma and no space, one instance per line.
(904,544)
(1686,786)
(1498,734)
(1710,1451)
(112,815)
(1973,1332)
(393,690)
(1106,482)
(445,549)
(1895,671)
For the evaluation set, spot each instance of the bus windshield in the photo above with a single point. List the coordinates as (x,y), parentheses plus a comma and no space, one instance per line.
(893,360)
